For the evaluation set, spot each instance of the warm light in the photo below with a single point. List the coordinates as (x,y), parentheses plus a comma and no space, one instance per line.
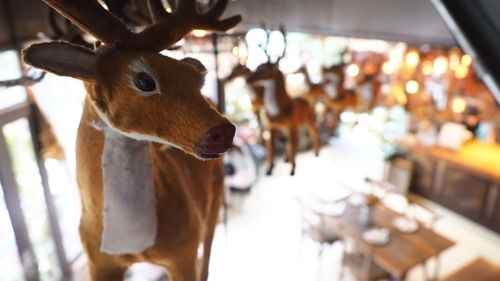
(454,61)
(412,87)
(461,72)
(388,68)
(319,108)
(412,59)
(458,105)
(427,68)
(266,135)
(235,50)
(353,70)
(466,60)
(245,102)
(440,65)
(199,33)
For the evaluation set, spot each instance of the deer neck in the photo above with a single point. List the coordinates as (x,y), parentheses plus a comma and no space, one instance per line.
(308,80)
(129,195)
(276,99)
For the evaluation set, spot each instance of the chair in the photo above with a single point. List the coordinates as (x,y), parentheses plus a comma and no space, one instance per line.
(397,176)
(312,225)
(358,260)
(477,270)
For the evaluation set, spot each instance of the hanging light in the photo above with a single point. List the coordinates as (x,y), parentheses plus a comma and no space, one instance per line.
(388,68)
(454,60)
(412,59)
(461,72)
(199,33)
(440,65)
(353,70)
(458,105)
(245,102)
(427,68)
(412,87)
(466,60)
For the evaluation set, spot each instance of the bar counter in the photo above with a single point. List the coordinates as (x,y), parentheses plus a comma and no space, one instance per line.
(466,181)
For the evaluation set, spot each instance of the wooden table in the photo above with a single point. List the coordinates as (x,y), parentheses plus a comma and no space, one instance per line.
(404,250)
(477,270)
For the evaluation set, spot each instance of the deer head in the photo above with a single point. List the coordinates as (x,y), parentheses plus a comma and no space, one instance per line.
(239,70)
(134,89)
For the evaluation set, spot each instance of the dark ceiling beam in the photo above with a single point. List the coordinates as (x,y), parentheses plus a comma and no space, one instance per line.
(478,34)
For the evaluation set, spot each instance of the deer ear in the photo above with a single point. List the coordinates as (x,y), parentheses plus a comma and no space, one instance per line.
(62,59)
(198,65)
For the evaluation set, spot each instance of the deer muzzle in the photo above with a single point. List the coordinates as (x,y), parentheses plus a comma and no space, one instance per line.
(215,142)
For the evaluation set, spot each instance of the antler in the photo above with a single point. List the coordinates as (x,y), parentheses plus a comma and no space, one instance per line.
(91,17)
(169,28)
(282,30)
(264,46)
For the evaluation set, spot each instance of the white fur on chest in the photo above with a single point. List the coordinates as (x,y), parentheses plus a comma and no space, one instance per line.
(130,219)
(270,99)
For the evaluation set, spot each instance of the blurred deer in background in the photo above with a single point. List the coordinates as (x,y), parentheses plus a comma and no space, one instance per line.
(145,198)
(342,99)
(257,93)
(282,111)
(316,91)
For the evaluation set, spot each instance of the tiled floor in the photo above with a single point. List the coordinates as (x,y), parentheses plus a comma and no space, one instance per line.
(262,239)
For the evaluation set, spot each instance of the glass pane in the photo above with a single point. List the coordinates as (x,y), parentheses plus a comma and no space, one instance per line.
(32,199)
(67,201)
(61,100)
(10,69)
(10,265)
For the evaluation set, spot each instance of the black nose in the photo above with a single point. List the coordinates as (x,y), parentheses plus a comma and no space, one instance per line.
(216,141)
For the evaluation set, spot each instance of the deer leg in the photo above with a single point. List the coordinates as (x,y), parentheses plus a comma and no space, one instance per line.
(270,151)
(292,146)
(218,197)
(314,135)
(184,268)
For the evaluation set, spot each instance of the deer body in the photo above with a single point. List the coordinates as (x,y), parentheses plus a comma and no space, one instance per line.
(344,98)
(257,94)
(186,206)
(148,195)
(283,112)
(316,91)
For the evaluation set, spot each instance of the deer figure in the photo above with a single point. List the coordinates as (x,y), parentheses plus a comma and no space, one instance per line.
(257,93)
(282,111)
(146,194)
(316,91)
(340,99)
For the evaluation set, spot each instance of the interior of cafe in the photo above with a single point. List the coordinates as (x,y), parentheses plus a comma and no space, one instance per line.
(195,140)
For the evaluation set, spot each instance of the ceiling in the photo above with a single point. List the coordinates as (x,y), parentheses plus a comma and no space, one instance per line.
(414,21)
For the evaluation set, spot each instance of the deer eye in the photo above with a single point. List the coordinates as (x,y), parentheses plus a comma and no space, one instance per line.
(144,82)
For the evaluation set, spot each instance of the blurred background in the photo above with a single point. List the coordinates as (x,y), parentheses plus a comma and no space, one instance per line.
(406,185)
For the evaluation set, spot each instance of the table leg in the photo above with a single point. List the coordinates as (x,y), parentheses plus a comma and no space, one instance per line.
(436,269)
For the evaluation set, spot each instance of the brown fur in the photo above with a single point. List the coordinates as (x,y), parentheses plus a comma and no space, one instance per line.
(188,190)
(293,113)
(257,99)
(187,207)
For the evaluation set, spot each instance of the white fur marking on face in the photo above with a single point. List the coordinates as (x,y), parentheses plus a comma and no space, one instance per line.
(135,136)
(138,65)
(130,222)
(270,99)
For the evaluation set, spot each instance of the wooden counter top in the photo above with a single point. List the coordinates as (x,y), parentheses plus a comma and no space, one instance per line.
(477,157)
